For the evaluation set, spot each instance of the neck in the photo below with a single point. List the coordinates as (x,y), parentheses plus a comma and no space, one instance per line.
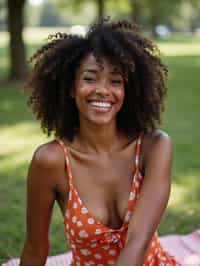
(98,139)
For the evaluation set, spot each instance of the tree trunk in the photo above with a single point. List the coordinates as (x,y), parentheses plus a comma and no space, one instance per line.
(154,6)
(100,6)
(135,11)
(18,67)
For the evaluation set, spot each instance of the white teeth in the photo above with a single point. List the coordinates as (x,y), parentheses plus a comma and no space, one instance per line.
(101,104)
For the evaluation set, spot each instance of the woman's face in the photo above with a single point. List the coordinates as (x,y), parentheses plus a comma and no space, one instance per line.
(99,90)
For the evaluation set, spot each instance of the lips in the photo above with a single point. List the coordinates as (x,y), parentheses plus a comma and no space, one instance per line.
(101,104)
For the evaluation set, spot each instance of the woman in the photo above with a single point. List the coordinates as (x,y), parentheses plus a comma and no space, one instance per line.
(102,96)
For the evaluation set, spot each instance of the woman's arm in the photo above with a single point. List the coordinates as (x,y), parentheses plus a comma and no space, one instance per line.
(152,201)
(45,169)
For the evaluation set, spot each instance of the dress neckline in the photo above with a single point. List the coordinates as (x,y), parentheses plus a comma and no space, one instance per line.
(136,171)
(89,215)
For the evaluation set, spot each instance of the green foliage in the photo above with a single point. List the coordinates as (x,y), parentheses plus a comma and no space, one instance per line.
(181,122)
(3,14)
(117,9)
(179,14)
(49,16)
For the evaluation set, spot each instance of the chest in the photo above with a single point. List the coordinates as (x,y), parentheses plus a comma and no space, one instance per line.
(103,184)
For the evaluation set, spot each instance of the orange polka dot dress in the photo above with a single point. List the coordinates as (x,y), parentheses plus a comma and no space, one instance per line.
(93,243)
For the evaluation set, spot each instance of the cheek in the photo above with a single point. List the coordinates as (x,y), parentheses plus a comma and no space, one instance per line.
(121,95)
(83,90)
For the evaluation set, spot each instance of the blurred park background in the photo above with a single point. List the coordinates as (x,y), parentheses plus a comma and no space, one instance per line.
(24,26)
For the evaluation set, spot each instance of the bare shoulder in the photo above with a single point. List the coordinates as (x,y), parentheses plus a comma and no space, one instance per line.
(156,142)
(48,163)
(157,137)
(48,155)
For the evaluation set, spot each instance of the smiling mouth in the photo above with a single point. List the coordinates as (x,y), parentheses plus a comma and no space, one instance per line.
(101,106)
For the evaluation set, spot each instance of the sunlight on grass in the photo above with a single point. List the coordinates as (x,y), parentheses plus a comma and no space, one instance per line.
(175,49)
(187,189)
(4,62)
(6,105)
(4,38)
(26,134)
(182,214)
(35,36)
(27,137)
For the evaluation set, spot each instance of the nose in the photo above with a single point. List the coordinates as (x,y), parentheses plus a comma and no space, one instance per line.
(102,88)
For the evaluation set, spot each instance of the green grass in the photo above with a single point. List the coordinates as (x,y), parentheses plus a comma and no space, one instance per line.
(21,134)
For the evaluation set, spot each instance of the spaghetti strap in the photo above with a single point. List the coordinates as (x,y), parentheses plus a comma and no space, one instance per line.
(137,151)
(65,151)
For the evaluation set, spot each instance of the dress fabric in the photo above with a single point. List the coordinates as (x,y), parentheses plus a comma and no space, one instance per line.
(93,243)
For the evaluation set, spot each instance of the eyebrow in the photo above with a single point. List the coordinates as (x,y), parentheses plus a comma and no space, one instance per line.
(115,71)
(89,70)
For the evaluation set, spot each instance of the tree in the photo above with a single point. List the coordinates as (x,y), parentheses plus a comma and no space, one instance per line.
(100,5)
(15,21)
(2,15)
(49,15)
(167,12)
(155,12)
(101,9)
(135,11)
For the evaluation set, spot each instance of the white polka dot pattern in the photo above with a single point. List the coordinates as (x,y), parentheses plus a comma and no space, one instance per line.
(79,224)
(97,256)
(67,213)
(93,243)
(70,195)
(106,247)
(79,201)
(112,252)
(149,258)
(83,234)
(127,216)
(97,231)
(132,195)
(111,262)
(72,232)
(75,205)
(79,241)
(90,220)
(85,252)
(74,219)
(84,210)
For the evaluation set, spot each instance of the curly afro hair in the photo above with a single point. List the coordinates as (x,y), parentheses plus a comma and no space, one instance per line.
(54,73)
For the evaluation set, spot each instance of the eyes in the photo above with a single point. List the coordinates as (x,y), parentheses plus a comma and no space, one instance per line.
(113,81)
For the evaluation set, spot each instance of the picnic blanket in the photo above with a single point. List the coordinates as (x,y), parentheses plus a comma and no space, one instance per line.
(185,248)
